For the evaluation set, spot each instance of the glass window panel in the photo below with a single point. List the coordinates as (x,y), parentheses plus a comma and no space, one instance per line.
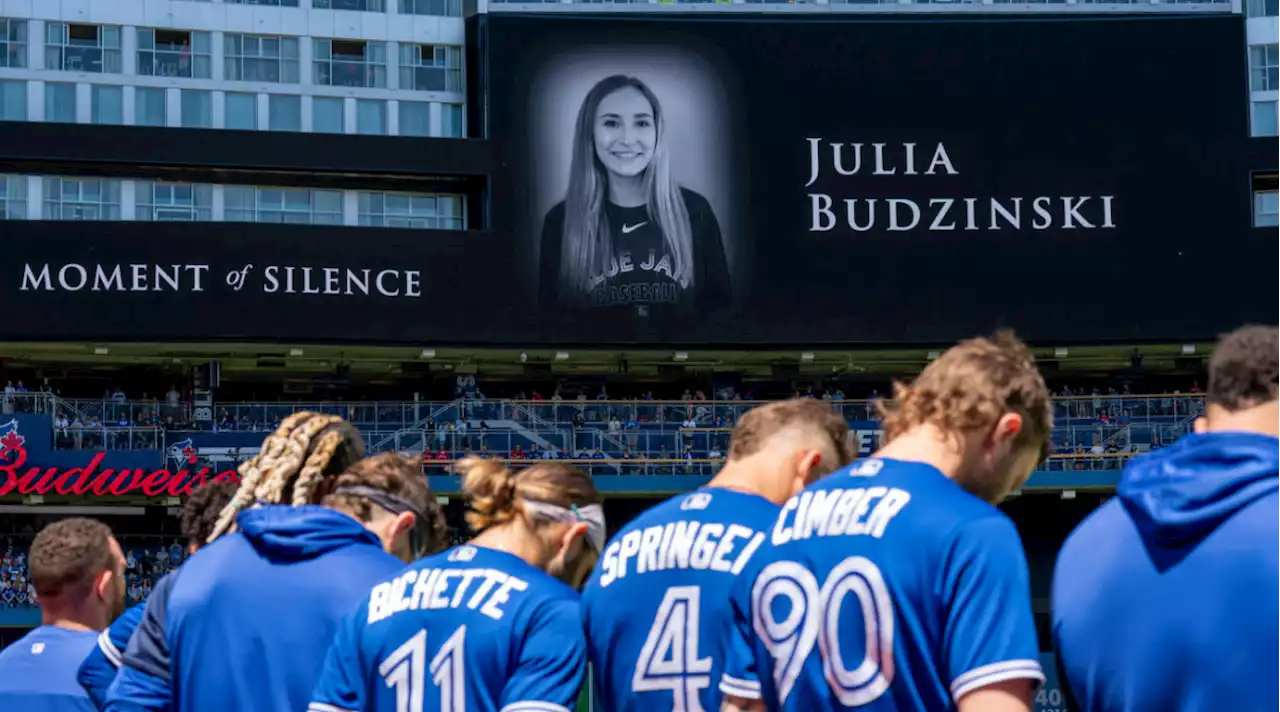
(13,43)
(149,106)
(60,102)
(284,112)
(81,199)
(108,105)
(451,125)
(13,101)
(241,110)
(197,109)
(1266,208)
(371,117)
(326,115)
(1264,118)
(13,197)
(174,53)
(415,118)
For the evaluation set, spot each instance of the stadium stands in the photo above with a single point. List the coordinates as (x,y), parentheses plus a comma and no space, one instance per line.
(146,560)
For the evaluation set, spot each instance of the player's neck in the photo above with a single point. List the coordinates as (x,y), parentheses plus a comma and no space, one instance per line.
(517,541)
(928,445)
(739,477)
(70,618)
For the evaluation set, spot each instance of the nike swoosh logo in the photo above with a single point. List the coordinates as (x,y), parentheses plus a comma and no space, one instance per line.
(628,229)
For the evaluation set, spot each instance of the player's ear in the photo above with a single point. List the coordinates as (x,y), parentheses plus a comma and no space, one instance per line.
(102,584)
(1200,425)
(1006,430)
(573,540)
(809,469)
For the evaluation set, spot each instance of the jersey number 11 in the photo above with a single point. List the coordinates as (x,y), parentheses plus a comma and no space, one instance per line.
(404,671)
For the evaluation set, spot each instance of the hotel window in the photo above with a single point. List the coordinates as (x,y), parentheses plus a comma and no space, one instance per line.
(447,8)
(284,112)
(1263,8)
(108,105)
(326,115)
(149,107)
(430,67)
(411,210)
(371,117)
(174,53)
(60,102)
(1266,200)
(415,118)
(1264,67)
(81,199)
(13,197)
(250,58)
(197,109)
(451,121)
(13,101)
(82,48)
(356,5)
(299,206)
(350,63)
(174,202)
(1264,118)
(13,43)
(271,3)
(241,111)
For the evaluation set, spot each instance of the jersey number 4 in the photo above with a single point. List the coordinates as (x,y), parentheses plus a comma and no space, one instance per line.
(669,659)
(404,671)
(813,616)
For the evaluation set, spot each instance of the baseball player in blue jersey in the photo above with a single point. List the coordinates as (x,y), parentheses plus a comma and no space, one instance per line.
(490,626)
(315,527)
(896,585)
(77,569)
(198,517)
(674,564)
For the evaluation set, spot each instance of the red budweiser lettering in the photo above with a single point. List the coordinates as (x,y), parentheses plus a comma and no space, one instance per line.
(88,479)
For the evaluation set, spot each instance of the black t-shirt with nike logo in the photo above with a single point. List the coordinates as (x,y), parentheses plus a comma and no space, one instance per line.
(640,272)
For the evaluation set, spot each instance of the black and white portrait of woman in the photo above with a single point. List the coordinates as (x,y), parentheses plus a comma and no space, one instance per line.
(626,233)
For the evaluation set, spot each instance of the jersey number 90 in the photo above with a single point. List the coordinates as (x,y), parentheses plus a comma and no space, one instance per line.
(404,671)
(813,616)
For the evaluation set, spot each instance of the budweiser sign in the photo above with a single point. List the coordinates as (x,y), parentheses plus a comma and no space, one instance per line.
(90,480)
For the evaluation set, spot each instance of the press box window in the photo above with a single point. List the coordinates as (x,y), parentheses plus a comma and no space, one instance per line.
(82,48)
(13,43)
(13,197)
(411,210)
(283,205)
(174,53)
(1266,200)
(81,199)
(174,202)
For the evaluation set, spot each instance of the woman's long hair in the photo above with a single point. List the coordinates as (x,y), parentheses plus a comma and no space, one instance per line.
(587,246)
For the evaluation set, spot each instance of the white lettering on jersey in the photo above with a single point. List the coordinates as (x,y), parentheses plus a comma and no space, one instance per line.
(434,589)
(709,546)
(839,512)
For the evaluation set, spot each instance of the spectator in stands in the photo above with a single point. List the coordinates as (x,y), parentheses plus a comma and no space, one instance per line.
(78,571)
(518,453)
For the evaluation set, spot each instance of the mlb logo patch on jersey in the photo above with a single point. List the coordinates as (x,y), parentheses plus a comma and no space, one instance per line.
(463,553)
(866,468)
(697,500)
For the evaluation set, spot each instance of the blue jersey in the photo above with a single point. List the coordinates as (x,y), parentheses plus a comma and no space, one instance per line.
(884,587)
(38,672)
(655,606)
(99,668)
(467,630)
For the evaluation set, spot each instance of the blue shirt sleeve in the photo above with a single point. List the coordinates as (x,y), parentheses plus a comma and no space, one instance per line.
(740,678)
(99,669)
(552,663)
(143,683)
(990,634)
(342,683)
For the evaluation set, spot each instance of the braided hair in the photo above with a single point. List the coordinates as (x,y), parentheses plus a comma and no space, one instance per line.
(292,464)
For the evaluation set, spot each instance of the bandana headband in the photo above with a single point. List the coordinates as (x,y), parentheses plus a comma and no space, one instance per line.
(592,515)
